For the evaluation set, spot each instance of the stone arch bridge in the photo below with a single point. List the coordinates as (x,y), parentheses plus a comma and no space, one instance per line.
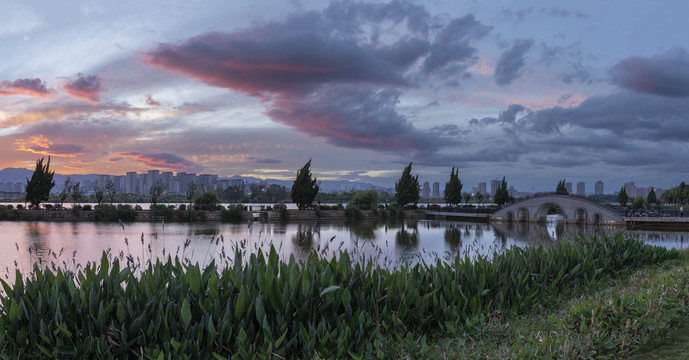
(574,210)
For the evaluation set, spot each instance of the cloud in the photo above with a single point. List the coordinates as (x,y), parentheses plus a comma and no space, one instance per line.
(511,62)
(163,161)
(87,88)
(320,73)
(151,102)
(27,87)
(665,75)
(355,117)
(44,146)
(267,161)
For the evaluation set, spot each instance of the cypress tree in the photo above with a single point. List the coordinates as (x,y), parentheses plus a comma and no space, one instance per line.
(304,189)
(407,188)
(38,188)
(622,197)
(502,195)
(453,189)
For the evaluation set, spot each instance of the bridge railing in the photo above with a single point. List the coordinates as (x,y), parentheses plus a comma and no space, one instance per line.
(463,209)
(583,198)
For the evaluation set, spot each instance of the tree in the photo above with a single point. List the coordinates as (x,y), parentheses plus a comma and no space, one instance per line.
(38,188)
(467,197)
(208,200)
(110,190)
(304,189)
(501,194)
(561,188)
(76,193)
(651,198)
(365,200)
(479,197)
(407,188)
(453,189)
(64,194)
(622,197)
(156,191)
(233,194)
(191,192)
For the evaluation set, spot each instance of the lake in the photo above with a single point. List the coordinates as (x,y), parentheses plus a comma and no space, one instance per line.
(71,245)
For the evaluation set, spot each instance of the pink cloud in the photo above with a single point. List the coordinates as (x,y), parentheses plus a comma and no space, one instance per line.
(27,87)
(151,102)
(162,160)
(44,146)
(87,88)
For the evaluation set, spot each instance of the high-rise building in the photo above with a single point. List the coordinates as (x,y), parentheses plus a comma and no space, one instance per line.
(510,190)
(581,188)
(599,188)
(494,186)
(118,182)
(436,189)
(426,191)
(630,188)
(568,186)
(130,182)
(482,188)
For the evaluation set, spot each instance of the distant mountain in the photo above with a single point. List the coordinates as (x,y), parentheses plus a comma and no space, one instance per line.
(15,175)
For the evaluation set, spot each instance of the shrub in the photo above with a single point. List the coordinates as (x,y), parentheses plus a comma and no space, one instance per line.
(353,211)
(366,200)
(233,213)
(46,206)
(86,208)
(182,207)
(282,208)
(114,213)
(161,211)
(137,208)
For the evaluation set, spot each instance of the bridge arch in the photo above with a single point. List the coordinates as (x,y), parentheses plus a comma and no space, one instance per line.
(573,209)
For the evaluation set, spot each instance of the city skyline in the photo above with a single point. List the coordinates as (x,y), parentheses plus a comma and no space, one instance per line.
(532,91)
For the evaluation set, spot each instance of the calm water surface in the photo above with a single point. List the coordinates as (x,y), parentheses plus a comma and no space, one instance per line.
(70,245)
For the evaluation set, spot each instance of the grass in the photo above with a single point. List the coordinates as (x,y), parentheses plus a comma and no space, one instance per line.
(643,316)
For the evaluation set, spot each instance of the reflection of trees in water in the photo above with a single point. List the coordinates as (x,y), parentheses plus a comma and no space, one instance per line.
(408,238)
(364,230)
(207,229)
(453,236)
(304,236)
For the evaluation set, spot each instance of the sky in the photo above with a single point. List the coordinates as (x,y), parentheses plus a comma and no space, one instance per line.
(535,91)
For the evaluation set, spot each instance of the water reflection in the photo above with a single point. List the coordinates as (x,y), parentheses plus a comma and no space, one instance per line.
(391,242)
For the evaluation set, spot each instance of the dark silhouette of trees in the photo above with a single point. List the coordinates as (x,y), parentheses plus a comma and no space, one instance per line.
(501,194)
(622,196)
(453,189)
(561,188)
(407,188)
(651,198)
(304,189)
(38,188)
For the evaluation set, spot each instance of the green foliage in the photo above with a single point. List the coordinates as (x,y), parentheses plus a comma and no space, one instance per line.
(75,192)
(353,212)
(407,188)
(282,208)
(501,194)
(453,189)
(479,197)
(233,213)
(366,199)
(38,188)
(207,200)
(676,195)
(110,191)
(233,194)
(467,197)
(161,212)
(268,194)
(622,196)
(8,213)
(638,202)
(336,308)
(86,208)
(561,188)
(651,198)
(304,189)
(114,213)
(156,191)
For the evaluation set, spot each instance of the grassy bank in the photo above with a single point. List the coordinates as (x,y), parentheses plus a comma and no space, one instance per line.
(322,308)
(643,316)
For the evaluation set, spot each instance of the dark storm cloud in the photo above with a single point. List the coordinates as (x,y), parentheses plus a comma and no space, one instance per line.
(27,87)
(511,62)
(298,65)
(665,75)
(86,88)
(355,117)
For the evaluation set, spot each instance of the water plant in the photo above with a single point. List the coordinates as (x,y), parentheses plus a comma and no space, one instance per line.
(263,307)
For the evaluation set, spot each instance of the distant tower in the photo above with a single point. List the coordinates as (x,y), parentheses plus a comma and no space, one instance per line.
(568,186)
(482,188)
(436,189)
(599,188)
(581,188)
(426,192)
(494,186)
